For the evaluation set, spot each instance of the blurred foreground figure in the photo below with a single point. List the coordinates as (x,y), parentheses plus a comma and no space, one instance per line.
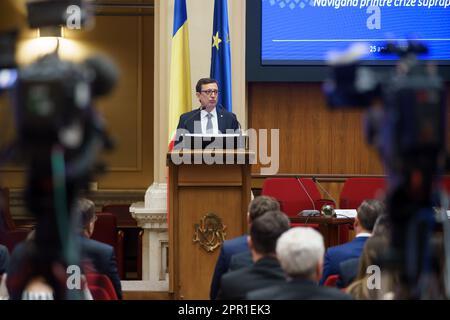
(58,137)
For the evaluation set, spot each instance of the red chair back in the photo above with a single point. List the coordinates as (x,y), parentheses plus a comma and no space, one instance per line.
(96,280)
(6,221)
(446,184)
(12,238)
(356,190)
(105,231)
(122,212)
(331,280)
(99,293)
(292,193)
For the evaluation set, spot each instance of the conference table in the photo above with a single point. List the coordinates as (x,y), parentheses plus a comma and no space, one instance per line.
(328,226)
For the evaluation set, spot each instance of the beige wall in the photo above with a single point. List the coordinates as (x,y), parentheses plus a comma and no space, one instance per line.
(128,111)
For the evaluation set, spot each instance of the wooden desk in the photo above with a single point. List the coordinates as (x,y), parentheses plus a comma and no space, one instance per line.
(328,227)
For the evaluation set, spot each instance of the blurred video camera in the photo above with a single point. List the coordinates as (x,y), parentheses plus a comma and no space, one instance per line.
(405,121)
(59,133)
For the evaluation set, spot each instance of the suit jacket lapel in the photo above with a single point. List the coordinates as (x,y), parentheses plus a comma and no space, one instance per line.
(221,120)
(191,124)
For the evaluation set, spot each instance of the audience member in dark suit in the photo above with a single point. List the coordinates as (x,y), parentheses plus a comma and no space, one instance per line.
(241,260)
(96,256)
(366,217)
(266,270)
(300,252)
(4,259)
(257,208)
(349,269)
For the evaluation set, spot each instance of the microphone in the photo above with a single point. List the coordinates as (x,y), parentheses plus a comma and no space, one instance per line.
(308,213)
(314,179)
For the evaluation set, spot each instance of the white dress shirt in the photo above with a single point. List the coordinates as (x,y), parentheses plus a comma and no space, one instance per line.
(214,119)
(363,234)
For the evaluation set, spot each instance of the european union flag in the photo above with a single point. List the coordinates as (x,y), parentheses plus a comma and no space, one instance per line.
(221,56)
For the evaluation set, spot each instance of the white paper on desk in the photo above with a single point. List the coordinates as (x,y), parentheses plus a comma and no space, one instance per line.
(351,213)
(345,213)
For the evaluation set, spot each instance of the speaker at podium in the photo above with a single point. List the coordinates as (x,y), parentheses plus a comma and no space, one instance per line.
(222,141)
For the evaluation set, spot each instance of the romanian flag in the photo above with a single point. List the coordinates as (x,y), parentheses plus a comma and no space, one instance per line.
(221,56)
(180,74)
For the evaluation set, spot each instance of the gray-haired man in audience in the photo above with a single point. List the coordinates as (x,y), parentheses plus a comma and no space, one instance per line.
(266,270)
(300,252)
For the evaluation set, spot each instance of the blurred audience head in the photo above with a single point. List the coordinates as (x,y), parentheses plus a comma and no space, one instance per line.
(261,205)
(382,227)
(87,216)
(300,252)
(265,231)
(367,214)
(370,259)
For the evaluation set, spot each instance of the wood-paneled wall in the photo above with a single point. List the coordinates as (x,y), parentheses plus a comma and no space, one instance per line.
(129,40)
(313,138)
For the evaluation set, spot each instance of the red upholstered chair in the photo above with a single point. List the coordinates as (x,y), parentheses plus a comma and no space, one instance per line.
(122,213)
(11,238)
(331,280)
(6,221)
(356,190)
(96,280)
(295,195)
(99,293)
(446,184)
(10,235)
(105,231)
(132,235)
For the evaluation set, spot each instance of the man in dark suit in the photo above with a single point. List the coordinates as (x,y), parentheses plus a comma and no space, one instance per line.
(241,260)
(366,217)
(208,118)
(257,208)
(266,270)
(300,252)
(96,256)
(4,259)
(348,269)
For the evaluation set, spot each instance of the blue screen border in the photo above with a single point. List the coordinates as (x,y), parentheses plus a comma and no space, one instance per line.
(294,71)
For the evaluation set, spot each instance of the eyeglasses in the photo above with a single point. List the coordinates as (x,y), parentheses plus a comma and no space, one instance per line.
(210,92)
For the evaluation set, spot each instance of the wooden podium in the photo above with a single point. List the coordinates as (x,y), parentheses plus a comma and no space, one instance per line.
(207,204)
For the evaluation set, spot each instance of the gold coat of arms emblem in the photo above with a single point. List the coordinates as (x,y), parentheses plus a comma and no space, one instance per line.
(210,232)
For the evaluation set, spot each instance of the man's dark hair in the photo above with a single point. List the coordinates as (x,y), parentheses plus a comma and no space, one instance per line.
(86,211)
(261,205)
(368,213)
(203,81)
(266,230)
